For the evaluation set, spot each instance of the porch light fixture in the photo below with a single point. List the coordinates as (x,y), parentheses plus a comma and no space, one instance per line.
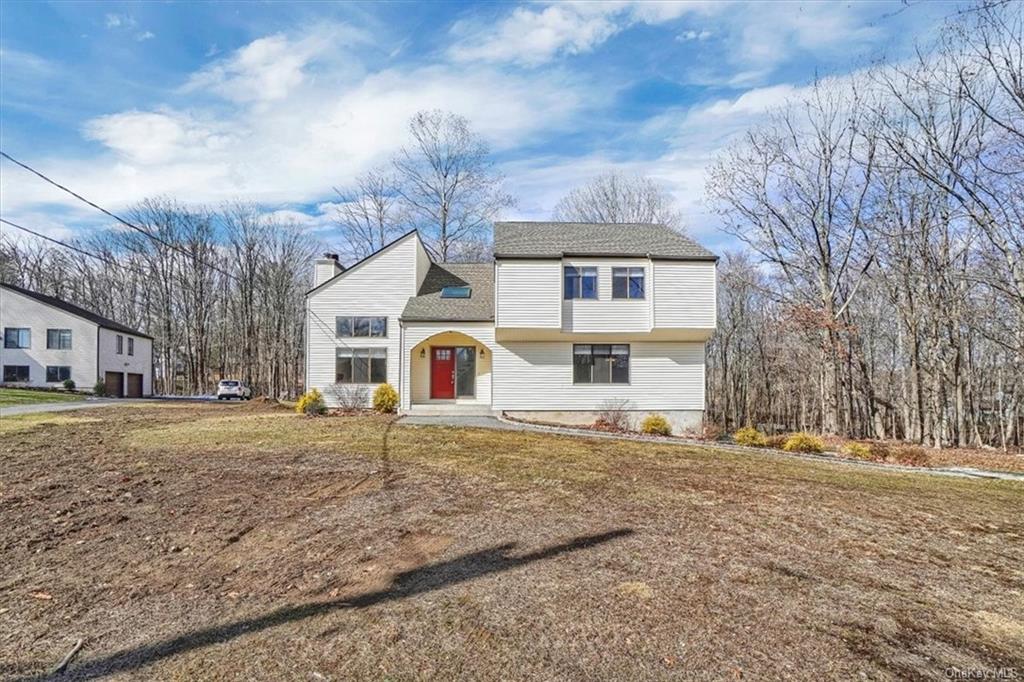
(423,353)
(482,353)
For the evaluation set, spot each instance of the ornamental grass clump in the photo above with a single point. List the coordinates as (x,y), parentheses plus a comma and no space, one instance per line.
(311,403)
(803,442)
(748,435)
(385,399)
(656,425)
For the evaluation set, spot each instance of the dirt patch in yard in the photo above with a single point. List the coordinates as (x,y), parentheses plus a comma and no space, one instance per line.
(185,541)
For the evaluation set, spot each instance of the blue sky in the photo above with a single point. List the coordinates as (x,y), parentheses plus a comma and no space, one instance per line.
(279,103)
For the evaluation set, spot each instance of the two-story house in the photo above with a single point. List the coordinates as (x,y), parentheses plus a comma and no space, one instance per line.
(566,317)
(48,340)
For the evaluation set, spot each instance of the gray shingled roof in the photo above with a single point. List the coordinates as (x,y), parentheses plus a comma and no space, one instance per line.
(89,315)
(554,240)
(428,304)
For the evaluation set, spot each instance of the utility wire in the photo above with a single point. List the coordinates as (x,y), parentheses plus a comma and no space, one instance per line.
(119,219)
(80,250)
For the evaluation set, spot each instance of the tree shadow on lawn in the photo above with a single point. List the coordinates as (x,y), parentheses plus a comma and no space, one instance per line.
(407,584)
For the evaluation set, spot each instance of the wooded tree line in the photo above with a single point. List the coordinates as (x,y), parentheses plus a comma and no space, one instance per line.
(883,291)
(220,290)
(880,293)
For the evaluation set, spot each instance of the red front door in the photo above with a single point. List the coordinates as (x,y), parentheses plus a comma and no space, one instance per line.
(442,372)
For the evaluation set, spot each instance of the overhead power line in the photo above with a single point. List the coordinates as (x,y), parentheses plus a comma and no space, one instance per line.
(84,252)
(116,217)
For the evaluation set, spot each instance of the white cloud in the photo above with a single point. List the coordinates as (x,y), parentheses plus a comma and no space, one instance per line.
(271,68)
(333,123)
(532,36)
(687,36)
(154,137)
(145,35)
(120,21)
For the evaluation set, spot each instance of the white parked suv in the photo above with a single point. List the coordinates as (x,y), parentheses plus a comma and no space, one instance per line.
(231,388)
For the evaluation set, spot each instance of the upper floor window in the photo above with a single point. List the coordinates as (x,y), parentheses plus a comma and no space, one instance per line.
(119,343)
(600,363)
(58,339)
(627,282)
(17,337)
(131,346)
(580,282)
(361,326)
(15,373)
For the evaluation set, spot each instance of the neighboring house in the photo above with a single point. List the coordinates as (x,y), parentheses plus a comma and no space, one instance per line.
(566,317)
(47,340)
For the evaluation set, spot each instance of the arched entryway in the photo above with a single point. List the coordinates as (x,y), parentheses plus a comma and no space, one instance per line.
(450,368)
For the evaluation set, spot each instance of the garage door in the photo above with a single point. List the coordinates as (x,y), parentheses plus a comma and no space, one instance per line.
(134,385)
(115,384)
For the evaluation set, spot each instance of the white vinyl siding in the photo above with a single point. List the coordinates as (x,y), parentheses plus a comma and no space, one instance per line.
(684,294)
(529,293)
(605,314)
(112,361)
(379,286)
(537,375)
(18,310)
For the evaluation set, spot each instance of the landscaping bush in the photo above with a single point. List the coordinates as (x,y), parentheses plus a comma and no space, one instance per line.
(711,432)
(910,455)
(775,442)
(385,399)
(311,403)
(748,435)
(656,425)
(69,385)
(880,451)
(100,388)
(602,424)
(613,415)
(860,451)
(803,442)
(350,397)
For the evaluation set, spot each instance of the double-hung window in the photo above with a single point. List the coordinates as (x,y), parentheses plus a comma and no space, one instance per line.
(627,282)
(131,346)
(600,363)
(361,366)
(55,374)
(361,326)
(580,282)
(17,337)
(58,339)
(119,345)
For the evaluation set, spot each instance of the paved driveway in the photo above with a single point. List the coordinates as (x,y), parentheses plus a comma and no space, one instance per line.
(62,407)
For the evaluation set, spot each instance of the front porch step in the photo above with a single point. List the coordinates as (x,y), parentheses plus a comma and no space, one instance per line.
(447,409)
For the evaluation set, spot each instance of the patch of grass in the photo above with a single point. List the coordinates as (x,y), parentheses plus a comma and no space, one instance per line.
(476,549)
(10,397)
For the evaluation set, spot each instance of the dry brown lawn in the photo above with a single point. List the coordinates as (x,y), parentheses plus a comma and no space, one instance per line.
(243,542)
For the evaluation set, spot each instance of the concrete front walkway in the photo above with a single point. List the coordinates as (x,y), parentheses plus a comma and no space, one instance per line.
(63,407)
(503,423)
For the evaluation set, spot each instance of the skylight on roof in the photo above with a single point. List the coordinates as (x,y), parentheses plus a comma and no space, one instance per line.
(455,292)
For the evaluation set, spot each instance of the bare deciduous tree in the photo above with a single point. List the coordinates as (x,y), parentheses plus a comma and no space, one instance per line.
(617,198)
(448,182)
(371,214)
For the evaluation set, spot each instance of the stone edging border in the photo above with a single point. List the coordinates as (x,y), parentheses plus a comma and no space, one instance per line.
(963,472)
